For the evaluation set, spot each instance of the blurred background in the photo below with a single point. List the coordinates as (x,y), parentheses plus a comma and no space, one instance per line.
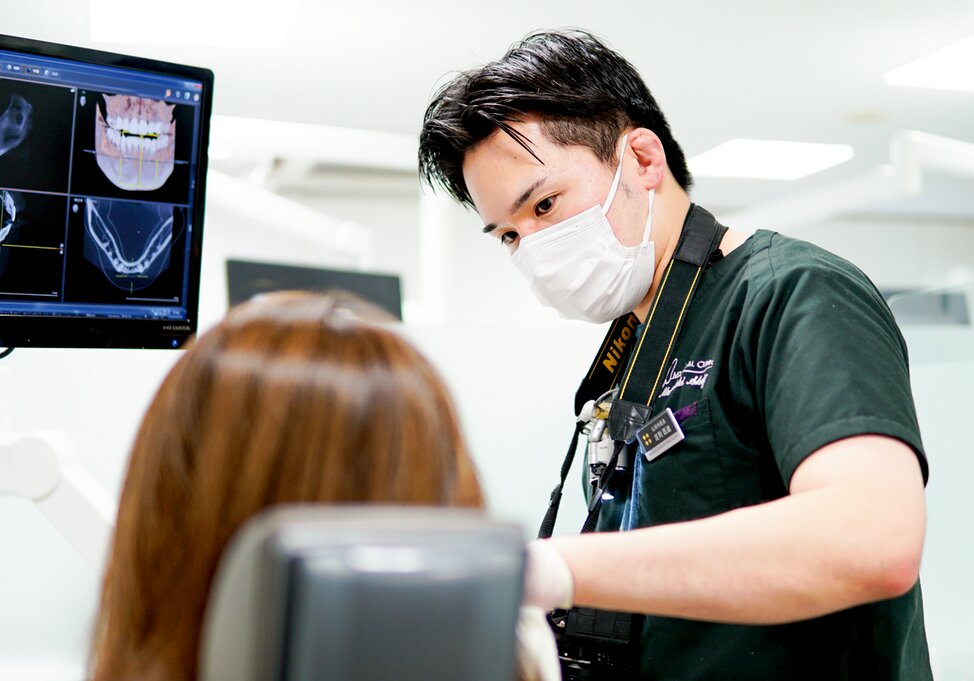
(312,163)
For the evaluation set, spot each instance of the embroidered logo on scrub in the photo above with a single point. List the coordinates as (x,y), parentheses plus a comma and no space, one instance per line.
(693,373)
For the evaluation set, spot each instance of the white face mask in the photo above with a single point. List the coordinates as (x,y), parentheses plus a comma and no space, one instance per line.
(579,268)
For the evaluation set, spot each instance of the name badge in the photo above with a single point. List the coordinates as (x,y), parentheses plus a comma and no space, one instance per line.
(659,434)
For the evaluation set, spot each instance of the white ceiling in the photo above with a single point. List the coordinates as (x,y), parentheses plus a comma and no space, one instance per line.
(772,69)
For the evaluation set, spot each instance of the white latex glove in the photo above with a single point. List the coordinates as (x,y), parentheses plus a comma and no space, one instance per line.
(548,583)
(537,655)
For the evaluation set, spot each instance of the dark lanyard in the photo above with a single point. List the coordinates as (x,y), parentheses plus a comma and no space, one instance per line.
(640,382)
(639,371)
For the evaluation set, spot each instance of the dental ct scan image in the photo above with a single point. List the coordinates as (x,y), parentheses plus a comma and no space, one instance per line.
(31,245)
(122,248)
(14,123)
(134,148)
(35,136)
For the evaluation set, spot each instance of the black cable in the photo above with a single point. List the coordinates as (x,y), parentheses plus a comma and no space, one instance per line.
(6,351)
(548,524)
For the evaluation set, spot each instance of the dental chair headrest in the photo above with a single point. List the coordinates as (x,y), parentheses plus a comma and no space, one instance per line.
(317,593)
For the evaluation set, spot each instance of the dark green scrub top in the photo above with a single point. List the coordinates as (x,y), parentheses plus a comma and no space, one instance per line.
(785,349)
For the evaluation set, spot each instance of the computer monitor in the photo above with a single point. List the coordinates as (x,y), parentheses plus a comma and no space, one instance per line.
(102,176)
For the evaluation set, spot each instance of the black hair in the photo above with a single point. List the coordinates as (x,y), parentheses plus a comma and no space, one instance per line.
(584,92)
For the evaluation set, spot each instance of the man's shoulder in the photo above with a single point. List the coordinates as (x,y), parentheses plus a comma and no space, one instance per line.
(776,259)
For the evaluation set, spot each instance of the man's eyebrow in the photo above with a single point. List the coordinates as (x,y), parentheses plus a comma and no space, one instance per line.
(519,201)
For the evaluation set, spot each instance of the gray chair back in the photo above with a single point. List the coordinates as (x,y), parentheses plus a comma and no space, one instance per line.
(318,593)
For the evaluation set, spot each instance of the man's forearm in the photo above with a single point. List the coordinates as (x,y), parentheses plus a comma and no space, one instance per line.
(807,554)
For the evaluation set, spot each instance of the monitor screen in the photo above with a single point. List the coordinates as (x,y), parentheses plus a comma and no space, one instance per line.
(102,171)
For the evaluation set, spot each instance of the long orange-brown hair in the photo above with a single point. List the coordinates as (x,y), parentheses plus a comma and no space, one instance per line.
(292,398)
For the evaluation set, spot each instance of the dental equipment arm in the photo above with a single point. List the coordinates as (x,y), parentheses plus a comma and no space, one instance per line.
(40,466)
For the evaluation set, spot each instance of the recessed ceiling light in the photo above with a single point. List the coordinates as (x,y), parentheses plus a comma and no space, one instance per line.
(245,23)
(768,159)
(949,68)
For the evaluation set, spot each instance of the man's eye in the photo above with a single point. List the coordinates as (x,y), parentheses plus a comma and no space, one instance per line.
(508,237)
(544,205)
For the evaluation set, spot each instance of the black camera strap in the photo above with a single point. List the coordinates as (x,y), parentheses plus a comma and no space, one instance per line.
(554,502)
(602,375)
(641,380)
(639,372)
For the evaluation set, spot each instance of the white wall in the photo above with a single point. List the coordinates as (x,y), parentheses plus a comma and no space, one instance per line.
(912,252)
(392,220)
(48,593)
(942,372)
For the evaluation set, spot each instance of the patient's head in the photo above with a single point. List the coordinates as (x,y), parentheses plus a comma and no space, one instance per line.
(292,398)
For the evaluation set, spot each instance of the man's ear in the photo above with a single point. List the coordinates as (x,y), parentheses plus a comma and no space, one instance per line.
(650,157)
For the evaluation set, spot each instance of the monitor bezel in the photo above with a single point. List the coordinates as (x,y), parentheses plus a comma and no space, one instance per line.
(101,332)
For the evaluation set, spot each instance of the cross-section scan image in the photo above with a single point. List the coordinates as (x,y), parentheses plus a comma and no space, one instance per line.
(125,251)
(31,245)
(35,136)
(129,242)
(9,203)
(135,141)
(14,123)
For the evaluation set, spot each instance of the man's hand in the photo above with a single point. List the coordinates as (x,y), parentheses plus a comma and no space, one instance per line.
(537,654)
(548,583)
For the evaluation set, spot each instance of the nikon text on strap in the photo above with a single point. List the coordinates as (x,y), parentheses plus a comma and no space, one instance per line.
(610,361)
